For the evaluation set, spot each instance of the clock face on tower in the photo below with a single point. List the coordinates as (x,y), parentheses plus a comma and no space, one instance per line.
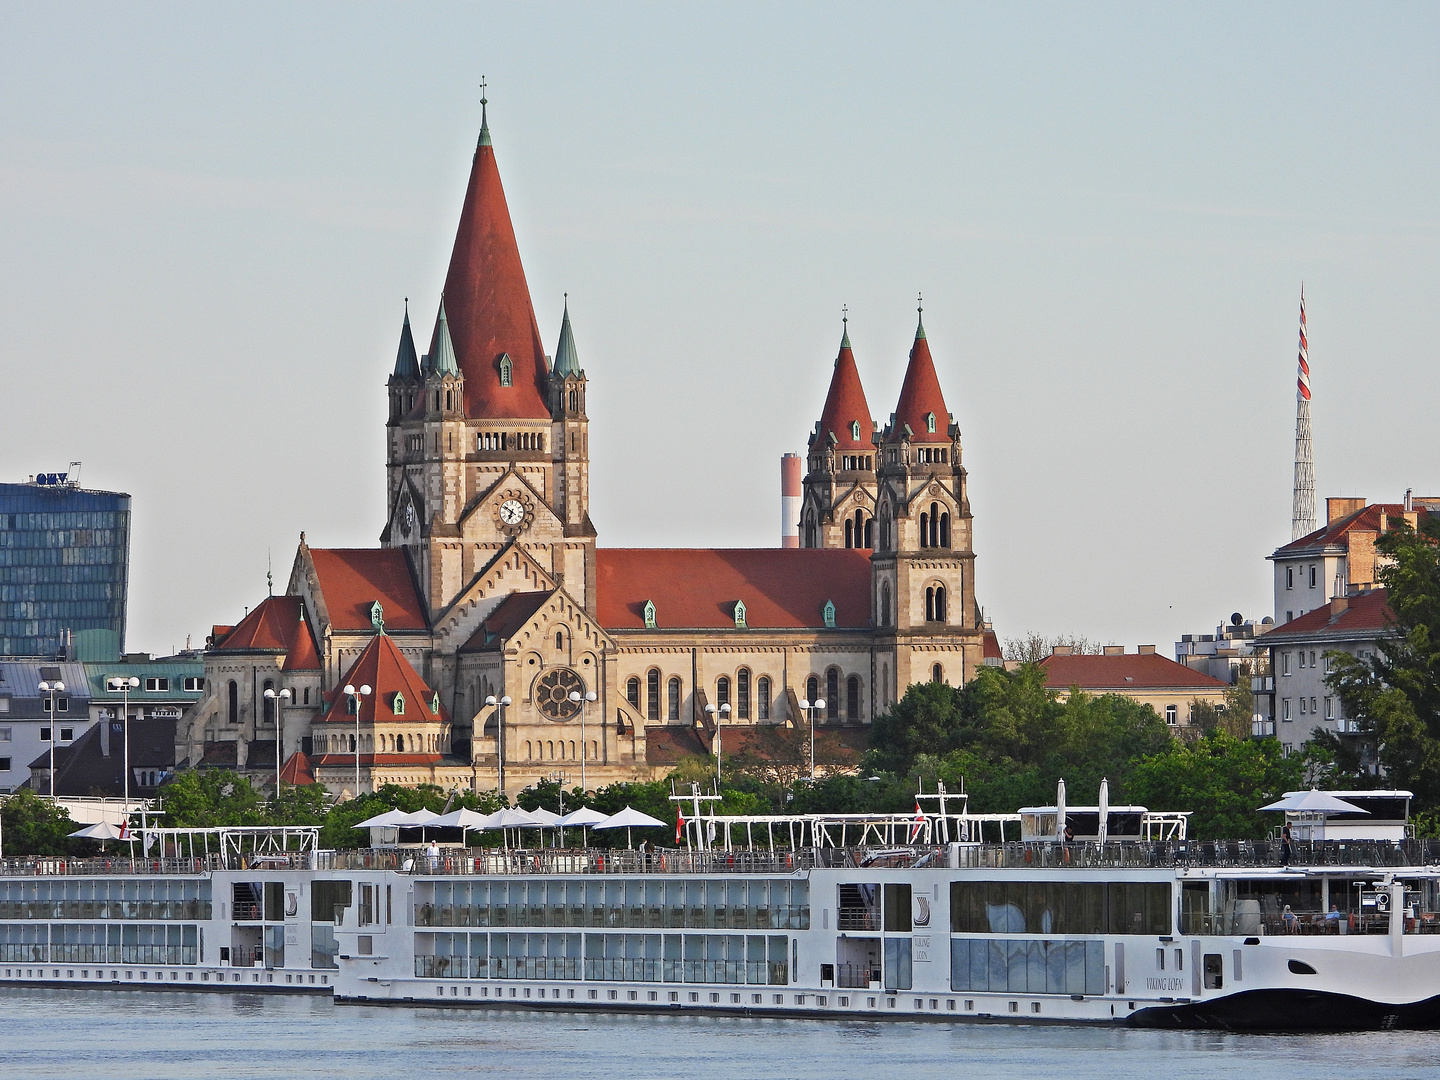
(515,513)
(512,512)
(407,519)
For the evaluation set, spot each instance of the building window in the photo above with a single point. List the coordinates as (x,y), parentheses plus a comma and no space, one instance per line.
(812,689)
(1285,708)
(6,734)
(1289,577)
(935,603)
(852,699)
(937,674)
(930,422)
(67,734)
(762,695)
(722,692)
(1329,708)
(1172,715)
(945,530)
(1313,709)
(44,734)
(1284,664)
(194,684)
(397,705)
(1301,665)
(832,694)
(674,692)
(234,712)
(1312,577)
(885,603)
(268,703)
(1312,658)
(632,691)
(4,764)
(652,694)
(156,685)
(506,369)
(742,694)
(1302,706)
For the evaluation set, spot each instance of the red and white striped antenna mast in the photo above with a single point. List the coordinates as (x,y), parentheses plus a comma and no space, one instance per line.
(1302,514)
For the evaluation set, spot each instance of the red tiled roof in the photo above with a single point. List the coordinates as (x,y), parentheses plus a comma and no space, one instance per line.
(1364,613)
(919,395)
(297,771)
(276,625)
(845,404)
(507,617)
(1130,671)
(487,304)
(351,579)
(696,588)
(1335,532)
(992,647)
(383,668)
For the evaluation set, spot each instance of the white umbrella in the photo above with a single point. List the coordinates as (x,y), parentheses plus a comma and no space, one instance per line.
(545,817)
(102,832)
(628,819)
(583,817)
(511,817)
(1060,810)
(1104,809)
(421,817)
(390,819)
(462,819)
(1313,802)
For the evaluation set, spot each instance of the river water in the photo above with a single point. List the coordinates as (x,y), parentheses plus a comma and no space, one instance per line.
(119,1035)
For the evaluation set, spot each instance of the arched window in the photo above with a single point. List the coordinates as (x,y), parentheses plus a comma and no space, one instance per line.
(937,674)
(449,400)
(652,695)
(945,530)
(722,691)
(812,689)
(234,703)
(885,603)
(930,603)
(832,694)
(268,703)
(934,540)
(742,694)
(924,530)
(852,699)
(849,533)
(397,704)
(930,422)
(762,696)
(940,612)
(854,430)
(399,744)
(559,640)
(505,369)
(812,534)
(673,710)
(869,534)
(550,750)
(574,401)
(632,691)
(528,754)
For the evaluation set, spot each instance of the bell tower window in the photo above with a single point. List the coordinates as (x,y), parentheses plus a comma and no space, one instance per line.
(506,369)
(930,422)
(854,430)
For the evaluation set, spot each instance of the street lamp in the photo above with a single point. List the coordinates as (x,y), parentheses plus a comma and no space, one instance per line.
(280,699)
(812,707)
(492,701)
(724,711)
(53,689)
(354,696)
(588,696)
(125,686)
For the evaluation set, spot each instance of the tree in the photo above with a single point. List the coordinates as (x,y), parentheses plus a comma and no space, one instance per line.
(210,799)
(1221,779)
(1033,647)
(33,825)
(1394,695)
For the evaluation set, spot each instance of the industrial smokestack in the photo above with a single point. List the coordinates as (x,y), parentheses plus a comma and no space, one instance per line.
(791,473)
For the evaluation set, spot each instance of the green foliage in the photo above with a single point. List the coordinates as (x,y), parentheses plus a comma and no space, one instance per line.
(1222,779)
(35,826)
(1395,694)
(339,829)
(209,799)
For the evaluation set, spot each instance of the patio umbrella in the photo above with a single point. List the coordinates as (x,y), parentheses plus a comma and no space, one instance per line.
(511,817)
(102,831)
(1313,802)
(1104,810)
(546,818)
(1060,810)
(628,819)
(461,819)
(583,817)
(390,819)
(420,818)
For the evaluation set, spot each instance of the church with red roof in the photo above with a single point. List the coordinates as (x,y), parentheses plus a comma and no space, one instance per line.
(490,641)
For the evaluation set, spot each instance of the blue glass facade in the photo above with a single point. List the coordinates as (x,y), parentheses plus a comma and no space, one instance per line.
(64,565)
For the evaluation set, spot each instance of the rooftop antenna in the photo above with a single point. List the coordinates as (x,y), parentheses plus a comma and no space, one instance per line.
(1302,512)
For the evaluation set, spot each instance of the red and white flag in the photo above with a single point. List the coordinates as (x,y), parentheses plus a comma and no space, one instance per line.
(679,826)
(919,825)
(125,831)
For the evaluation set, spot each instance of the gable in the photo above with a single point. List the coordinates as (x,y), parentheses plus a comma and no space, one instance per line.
(481,519)
(512,570)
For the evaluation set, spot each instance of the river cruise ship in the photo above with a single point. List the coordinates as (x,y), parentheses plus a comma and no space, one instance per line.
(1095,915)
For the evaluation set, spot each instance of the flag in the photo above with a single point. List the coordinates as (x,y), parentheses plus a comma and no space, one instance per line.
(125,831)
(919,825)
(679,825)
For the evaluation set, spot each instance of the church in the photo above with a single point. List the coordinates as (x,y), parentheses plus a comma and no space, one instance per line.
(490,640)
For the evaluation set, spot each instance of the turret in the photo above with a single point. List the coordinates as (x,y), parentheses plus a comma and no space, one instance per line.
(838,505)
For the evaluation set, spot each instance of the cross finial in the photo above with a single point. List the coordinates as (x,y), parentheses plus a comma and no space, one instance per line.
(484,119)
(483,84)
(920,303)
(845,313)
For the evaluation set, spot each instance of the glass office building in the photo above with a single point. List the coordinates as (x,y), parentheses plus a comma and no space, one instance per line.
(64,564)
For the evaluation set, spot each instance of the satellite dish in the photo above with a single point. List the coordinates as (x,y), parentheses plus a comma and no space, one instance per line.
(1236,619)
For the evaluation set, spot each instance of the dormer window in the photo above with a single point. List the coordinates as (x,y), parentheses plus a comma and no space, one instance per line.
(829,613)
(506,369)
(854,430)
(649,614)
(740,615)
(930,422)
(397,704)
(435,703)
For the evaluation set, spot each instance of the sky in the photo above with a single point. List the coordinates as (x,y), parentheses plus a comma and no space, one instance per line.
(211,215)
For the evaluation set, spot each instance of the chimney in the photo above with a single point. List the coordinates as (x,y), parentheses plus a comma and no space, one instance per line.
(1061,650)
(1338,604)
(1145,650)
(1408,505)
(1335,509)
(1114,650)
(105,736)
(791,472)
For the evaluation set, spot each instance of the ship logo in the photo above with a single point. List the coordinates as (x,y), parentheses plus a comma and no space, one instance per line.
(922,912)
(292,905)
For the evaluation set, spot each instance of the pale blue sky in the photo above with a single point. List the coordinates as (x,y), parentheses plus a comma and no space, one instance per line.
(209,217)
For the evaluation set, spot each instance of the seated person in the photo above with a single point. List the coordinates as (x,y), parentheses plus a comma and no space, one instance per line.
(1332,919)
(1290,920)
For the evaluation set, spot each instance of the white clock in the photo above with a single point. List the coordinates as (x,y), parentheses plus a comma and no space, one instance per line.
(407,524)
(512,512)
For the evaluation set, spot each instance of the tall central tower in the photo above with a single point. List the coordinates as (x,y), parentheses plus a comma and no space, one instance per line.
(1302,511)
(487,447)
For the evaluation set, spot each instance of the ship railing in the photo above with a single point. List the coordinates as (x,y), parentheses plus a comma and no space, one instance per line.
(470,861)
(1207,853)
(111,866)
(856,976)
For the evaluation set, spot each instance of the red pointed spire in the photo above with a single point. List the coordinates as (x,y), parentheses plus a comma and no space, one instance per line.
(845,406)
(920,397)
(487,303)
